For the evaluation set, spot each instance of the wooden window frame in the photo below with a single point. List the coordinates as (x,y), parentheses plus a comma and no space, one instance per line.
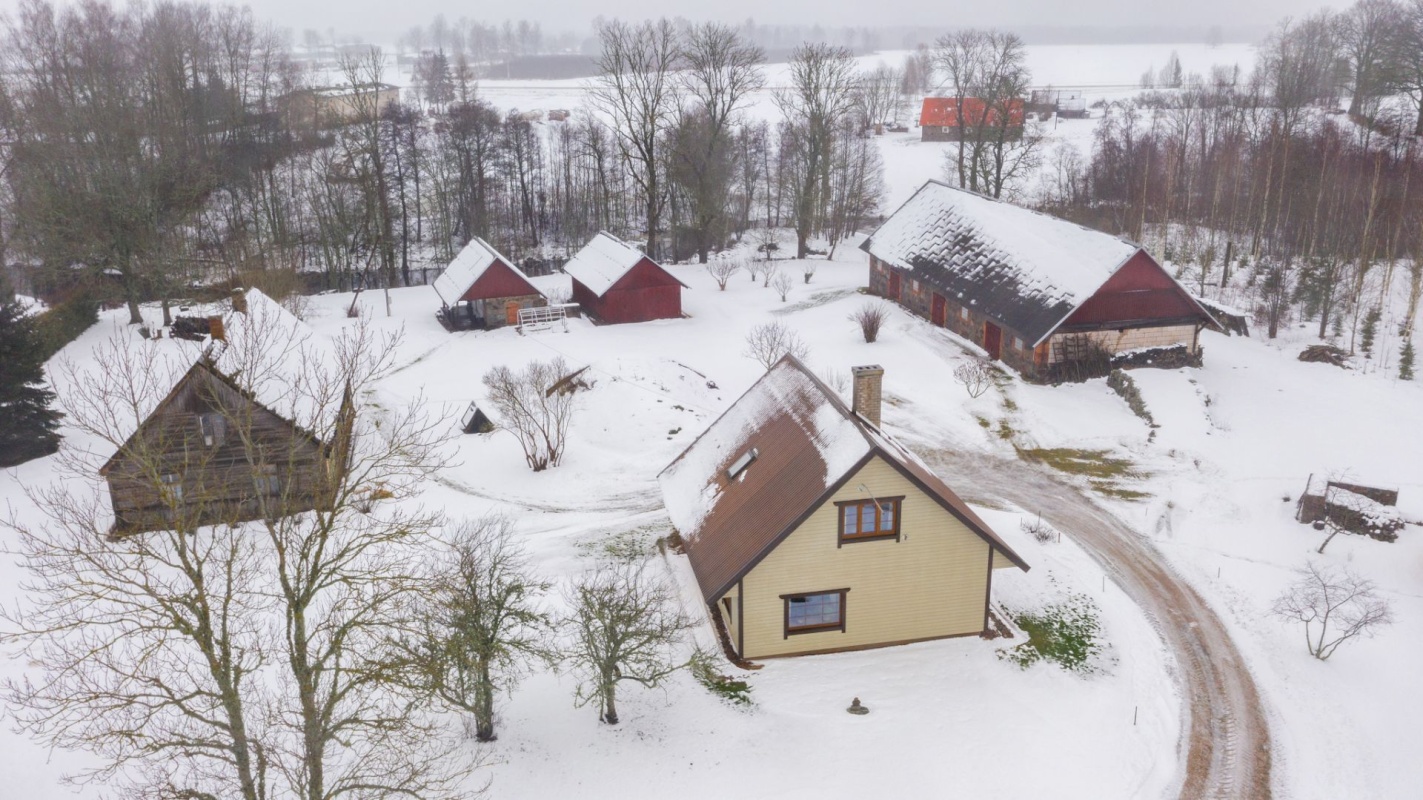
(843,538)
(787,631)
(212,426)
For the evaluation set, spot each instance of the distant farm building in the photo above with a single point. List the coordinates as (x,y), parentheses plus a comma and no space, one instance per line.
(1364,510)
(482,289)
(942,120)
(810,530)
(615,282)
(224,447)
(1063,102)
(1048,297)
(338,105)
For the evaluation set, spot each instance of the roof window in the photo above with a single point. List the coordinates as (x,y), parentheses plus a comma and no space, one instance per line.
(739,465)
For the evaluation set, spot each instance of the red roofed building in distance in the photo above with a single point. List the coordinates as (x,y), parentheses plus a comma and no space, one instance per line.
(942,120)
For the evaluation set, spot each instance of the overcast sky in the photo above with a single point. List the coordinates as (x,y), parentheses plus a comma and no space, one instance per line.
(384,19)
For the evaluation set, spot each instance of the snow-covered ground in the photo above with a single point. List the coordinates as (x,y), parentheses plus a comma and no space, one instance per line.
(1236,437)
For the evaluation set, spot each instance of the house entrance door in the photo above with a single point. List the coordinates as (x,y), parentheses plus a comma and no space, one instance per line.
(939,311)
(511,313)
(992,340)
(894,286)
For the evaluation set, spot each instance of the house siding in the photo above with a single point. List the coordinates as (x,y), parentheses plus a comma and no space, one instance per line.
(932,583)
(647,292)
(1119,341)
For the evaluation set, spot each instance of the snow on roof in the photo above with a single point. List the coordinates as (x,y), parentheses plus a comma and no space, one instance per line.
(693,483)
(1028,269)
(806,442)
(468,267)
(603,262)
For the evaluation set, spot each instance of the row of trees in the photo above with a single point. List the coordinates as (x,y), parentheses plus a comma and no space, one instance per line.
(1316,215)
(155,148)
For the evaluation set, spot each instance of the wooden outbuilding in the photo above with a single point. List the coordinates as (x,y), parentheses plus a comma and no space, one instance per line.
(811,530)
(615,282)
(234,439)
(1052,299)
(484,290)
(944,119)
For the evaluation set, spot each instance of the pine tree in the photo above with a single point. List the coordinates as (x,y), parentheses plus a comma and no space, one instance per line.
(1368,331)
(27,422)
(1405,360)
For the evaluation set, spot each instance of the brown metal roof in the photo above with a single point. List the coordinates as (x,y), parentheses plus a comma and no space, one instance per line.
(808,445)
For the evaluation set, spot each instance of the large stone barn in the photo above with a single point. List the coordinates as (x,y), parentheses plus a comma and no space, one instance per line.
(811,530)
(1048,297)
(483,289)
(941,119)
(615,282)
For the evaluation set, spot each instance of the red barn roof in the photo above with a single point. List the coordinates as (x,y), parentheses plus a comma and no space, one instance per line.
(944,112)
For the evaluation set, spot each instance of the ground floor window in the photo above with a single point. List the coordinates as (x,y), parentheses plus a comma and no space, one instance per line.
(816,611)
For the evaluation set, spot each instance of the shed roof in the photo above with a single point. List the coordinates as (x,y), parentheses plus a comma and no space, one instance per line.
(604,261)
(1024,268)
(944,112)
(808,443)
(469,266)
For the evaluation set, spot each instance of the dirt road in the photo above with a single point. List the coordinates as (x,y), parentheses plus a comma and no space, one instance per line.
(1227,752)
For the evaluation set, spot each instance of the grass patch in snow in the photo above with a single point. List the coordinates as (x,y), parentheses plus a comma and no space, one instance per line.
(1112,490)
(1101,469)
(1005,431)
(983,422)
(1066,633)
(628,545)
(1078,461)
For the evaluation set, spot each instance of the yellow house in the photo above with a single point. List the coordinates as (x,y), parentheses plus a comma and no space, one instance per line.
(810,530)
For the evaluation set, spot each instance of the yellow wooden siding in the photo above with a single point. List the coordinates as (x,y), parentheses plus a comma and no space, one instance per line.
(932,583)
(733,617)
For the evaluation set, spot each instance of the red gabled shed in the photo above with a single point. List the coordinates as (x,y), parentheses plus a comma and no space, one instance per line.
(615,282)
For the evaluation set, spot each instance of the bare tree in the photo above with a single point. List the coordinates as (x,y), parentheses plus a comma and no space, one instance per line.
(484,625)
(808,269)
(1335,605)
(870,317)
(989,77)
(536,410)
(877,97)
(782,282)
(769,342)
(625,626)
(721,271)
(976,376)
(637,88)
(720,70)
(242,659)
(819,96)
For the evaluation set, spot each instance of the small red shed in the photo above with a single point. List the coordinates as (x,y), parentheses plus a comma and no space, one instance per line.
(483,289)
(615,282)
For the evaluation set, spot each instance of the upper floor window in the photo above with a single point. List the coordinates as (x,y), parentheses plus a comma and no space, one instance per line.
(265,480)
(172,488)
(214,428)
(869,519)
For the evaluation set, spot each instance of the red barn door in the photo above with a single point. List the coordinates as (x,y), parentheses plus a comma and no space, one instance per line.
(992,340)
(894,285)
(939,312)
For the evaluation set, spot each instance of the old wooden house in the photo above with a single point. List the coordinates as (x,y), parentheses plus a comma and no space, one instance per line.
(1050,298)
(944,119)
(811,530)
(482,289)
(222,446)
(615,282)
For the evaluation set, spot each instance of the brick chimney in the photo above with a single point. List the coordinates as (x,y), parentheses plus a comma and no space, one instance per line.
(866,400)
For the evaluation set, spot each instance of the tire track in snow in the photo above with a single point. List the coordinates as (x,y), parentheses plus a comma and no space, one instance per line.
(1225,735)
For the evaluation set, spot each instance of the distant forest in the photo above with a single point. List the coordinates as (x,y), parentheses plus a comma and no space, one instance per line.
(155,152)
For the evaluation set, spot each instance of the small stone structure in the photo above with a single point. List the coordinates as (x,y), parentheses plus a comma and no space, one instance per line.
(1364,510)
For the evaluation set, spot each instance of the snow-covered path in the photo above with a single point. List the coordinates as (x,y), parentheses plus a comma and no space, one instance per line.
(1227,738)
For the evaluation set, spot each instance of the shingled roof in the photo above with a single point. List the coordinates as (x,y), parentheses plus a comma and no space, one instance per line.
(808,444)
(1026,269)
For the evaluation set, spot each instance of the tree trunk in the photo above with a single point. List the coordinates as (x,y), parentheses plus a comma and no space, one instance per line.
(610,705)
(484,706)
